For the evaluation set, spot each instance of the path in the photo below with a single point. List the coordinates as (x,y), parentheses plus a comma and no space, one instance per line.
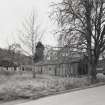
(91,96)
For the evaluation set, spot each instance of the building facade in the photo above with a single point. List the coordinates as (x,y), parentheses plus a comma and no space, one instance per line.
(61,68)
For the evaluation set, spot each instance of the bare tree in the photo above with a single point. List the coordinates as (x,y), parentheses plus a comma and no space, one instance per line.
(14,47)
(83,23)
(31,34)
(13,50)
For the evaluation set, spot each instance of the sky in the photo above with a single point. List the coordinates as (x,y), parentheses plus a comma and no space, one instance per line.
(12,14)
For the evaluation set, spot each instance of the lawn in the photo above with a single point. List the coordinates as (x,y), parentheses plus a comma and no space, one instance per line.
(21,85)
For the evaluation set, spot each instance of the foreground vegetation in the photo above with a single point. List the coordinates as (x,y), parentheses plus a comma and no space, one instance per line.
(21,85)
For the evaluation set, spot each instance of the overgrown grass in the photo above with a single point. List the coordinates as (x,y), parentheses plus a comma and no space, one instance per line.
(21,85)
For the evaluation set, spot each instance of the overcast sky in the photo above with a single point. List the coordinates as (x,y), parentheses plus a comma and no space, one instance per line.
(13,12)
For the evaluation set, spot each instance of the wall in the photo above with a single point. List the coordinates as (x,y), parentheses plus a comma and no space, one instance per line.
(65,70)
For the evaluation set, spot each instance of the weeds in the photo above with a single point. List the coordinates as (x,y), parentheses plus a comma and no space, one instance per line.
(23,86)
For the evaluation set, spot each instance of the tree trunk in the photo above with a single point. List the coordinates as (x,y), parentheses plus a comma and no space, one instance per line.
(33,69)
(93,73)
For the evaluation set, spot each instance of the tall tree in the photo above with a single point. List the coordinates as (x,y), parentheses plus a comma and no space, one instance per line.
(82,22)
(31,34)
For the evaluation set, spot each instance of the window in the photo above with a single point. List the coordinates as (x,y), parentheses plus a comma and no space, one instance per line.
(49,68)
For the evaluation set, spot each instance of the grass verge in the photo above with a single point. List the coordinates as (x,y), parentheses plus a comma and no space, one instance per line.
(23,86)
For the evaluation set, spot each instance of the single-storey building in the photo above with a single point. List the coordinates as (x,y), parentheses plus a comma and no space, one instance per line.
(66,67)
(8,64)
